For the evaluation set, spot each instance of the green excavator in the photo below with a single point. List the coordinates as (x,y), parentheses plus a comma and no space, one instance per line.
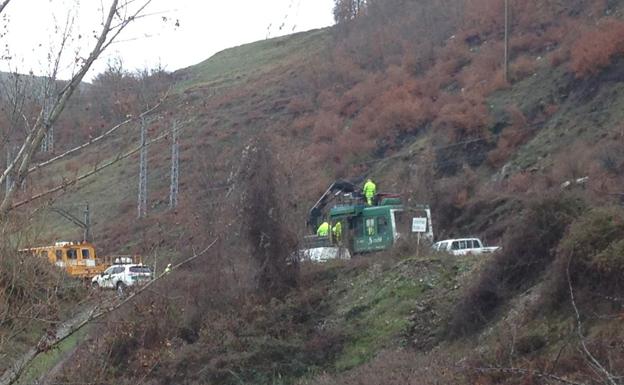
(365,228)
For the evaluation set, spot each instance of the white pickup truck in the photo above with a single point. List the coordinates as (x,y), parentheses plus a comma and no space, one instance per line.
(463,246)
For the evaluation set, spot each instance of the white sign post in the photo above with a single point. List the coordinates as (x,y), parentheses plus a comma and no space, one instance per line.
(419,226)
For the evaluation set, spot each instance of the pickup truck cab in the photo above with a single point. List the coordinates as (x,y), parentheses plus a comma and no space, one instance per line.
(463,246)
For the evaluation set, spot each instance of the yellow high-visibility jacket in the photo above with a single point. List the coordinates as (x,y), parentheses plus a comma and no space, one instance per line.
(337,230)
(370,189)
(323,230)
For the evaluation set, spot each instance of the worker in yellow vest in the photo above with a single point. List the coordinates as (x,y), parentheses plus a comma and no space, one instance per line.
(369,191)
(337,232)
(323,230)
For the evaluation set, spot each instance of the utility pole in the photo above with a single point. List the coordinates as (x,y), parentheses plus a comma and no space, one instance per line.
(87,221)
(142,199)
(175,167)
(506,69)
(83,224)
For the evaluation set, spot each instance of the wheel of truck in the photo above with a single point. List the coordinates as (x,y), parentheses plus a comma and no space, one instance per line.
(121,288)
(95,285)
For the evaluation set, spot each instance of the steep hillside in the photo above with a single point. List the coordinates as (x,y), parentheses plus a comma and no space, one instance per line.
(416,97)
(435,127)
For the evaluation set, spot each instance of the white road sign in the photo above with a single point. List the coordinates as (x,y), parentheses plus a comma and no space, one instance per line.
(419,225)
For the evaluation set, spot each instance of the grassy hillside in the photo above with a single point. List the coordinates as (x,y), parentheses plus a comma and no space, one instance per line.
(422,106)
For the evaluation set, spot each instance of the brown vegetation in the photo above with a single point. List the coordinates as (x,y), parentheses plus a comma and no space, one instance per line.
(427,77)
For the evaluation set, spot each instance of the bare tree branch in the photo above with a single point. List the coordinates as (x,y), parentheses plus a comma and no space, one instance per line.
(95,170)
(43,123)
(579,329)
(4,4)
(50,340)
(93,141)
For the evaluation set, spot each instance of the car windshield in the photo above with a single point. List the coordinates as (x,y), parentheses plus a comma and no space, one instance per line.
(140,269)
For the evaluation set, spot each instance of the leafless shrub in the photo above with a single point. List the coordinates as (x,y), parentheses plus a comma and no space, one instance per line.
(271,242)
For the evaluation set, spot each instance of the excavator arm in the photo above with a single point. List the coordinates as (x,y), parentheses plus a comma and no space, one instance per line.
(337,189)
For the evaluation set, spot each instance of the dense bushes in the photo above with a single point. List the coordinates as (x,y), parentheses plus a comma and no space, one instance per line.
(559,241)
(596,47)
(433,68)
(528,249)
(591,255)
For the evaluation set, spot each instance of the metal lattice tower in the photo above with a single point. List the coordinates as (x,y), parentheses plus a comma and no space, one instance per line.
(142,199)
(175,167)
(47,144)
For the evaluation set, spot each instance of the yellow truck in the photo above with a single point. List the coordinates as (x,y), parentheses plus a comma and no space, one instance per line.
(79,259)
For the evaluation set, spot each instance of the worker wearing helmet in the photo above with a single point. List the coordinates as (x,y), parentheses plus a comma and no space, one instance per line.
(323,230)
(337,231)
(369,191)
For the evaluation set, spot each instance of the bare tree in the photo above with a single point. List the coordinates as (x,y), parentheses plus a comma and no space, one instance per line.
(27,125)
(120,14)
(345,10)
(3,5)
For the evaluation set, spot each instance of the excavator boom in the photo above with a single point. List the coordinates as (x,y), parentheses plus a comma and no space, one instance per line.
(339,188)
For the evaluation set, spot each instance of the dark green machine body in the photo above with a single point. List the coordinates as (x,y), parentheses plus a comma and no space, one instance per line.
(368,229)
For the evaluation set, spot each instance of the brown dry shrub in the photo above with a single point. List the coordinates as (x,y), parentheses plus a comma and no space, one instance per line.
(300,104)
(510,138)
(519,183)
(360,95)
(522,67)
(596,47)
(477,78)
(452,196)
(559,56)
(533,42)
(572,164)
(31,288)
(483,16)
(610,157)
(400,367)
(327,126)
(302,125)
(398,112)
(464,118)
(354,144)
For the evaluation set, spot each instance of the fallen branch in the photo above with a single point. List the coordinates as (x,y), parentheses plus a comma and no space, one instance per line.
(51,340)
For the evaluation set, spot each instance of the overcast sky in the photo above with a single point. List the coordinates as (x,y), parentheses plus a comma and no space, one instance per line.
(205,27)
